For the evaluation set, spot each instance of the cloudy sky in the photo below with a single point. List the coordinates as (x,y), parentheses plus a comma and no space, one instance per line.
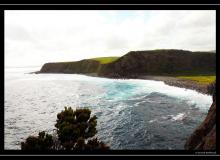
(33,38)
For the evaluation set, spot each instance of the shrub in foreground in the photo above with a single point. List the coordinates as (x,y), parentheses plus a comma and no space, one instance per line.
(75,131)
(42,142)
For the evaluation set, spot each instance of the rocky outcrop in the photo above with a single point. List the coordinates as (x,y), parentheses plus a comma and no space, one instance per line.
(204,137)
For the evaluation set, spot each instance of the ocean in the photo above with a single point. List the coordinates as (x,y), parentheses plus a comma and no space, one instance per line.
(132,114)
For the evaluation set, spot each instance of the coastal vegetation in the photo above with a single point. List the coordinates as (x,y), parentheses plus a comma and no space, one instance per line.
(75,130)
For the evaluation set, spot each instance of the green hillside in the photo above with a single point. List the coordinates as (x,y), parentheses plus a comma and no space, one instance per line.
(105,60)
(199,79)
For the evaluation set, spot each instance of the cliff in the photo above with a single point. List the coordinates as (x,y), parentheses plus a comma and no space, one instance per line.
(83,66)
(160,62)
(153,62)
(204,137)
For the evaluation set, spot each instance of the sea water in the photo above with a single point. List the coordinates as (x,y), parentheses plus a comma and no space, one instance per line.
(132,114)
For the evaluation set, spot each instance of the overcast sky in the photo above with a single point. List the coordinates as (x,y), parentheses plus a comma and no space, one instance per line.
(36,37)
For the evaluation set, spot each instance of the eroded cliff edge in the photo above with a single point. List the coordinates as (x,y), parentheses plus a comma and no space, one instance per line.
(204,137)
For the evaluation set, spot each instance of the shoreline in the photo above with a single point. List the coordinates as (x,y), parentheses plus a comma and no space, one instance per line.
(177,82)
(169,80)
(172,81)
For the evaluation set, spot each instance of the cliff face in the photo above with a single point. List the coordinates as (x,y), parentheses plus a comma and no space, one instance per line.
(83,66)
(159,62)
(154,62)
(204,137)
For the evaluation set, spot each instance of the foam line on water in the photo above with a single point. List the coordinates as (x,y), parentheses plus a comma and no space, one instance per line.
(202,101)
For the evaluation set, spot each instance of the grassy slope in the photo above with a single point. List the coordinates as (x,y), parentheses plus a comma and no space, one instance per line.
(199,79)
(101,60)
(105,60)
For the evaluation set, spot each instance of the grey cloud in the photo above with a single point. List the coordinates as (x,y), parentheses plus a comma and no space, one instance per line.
(117,42)
(18,33)
(75,36)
